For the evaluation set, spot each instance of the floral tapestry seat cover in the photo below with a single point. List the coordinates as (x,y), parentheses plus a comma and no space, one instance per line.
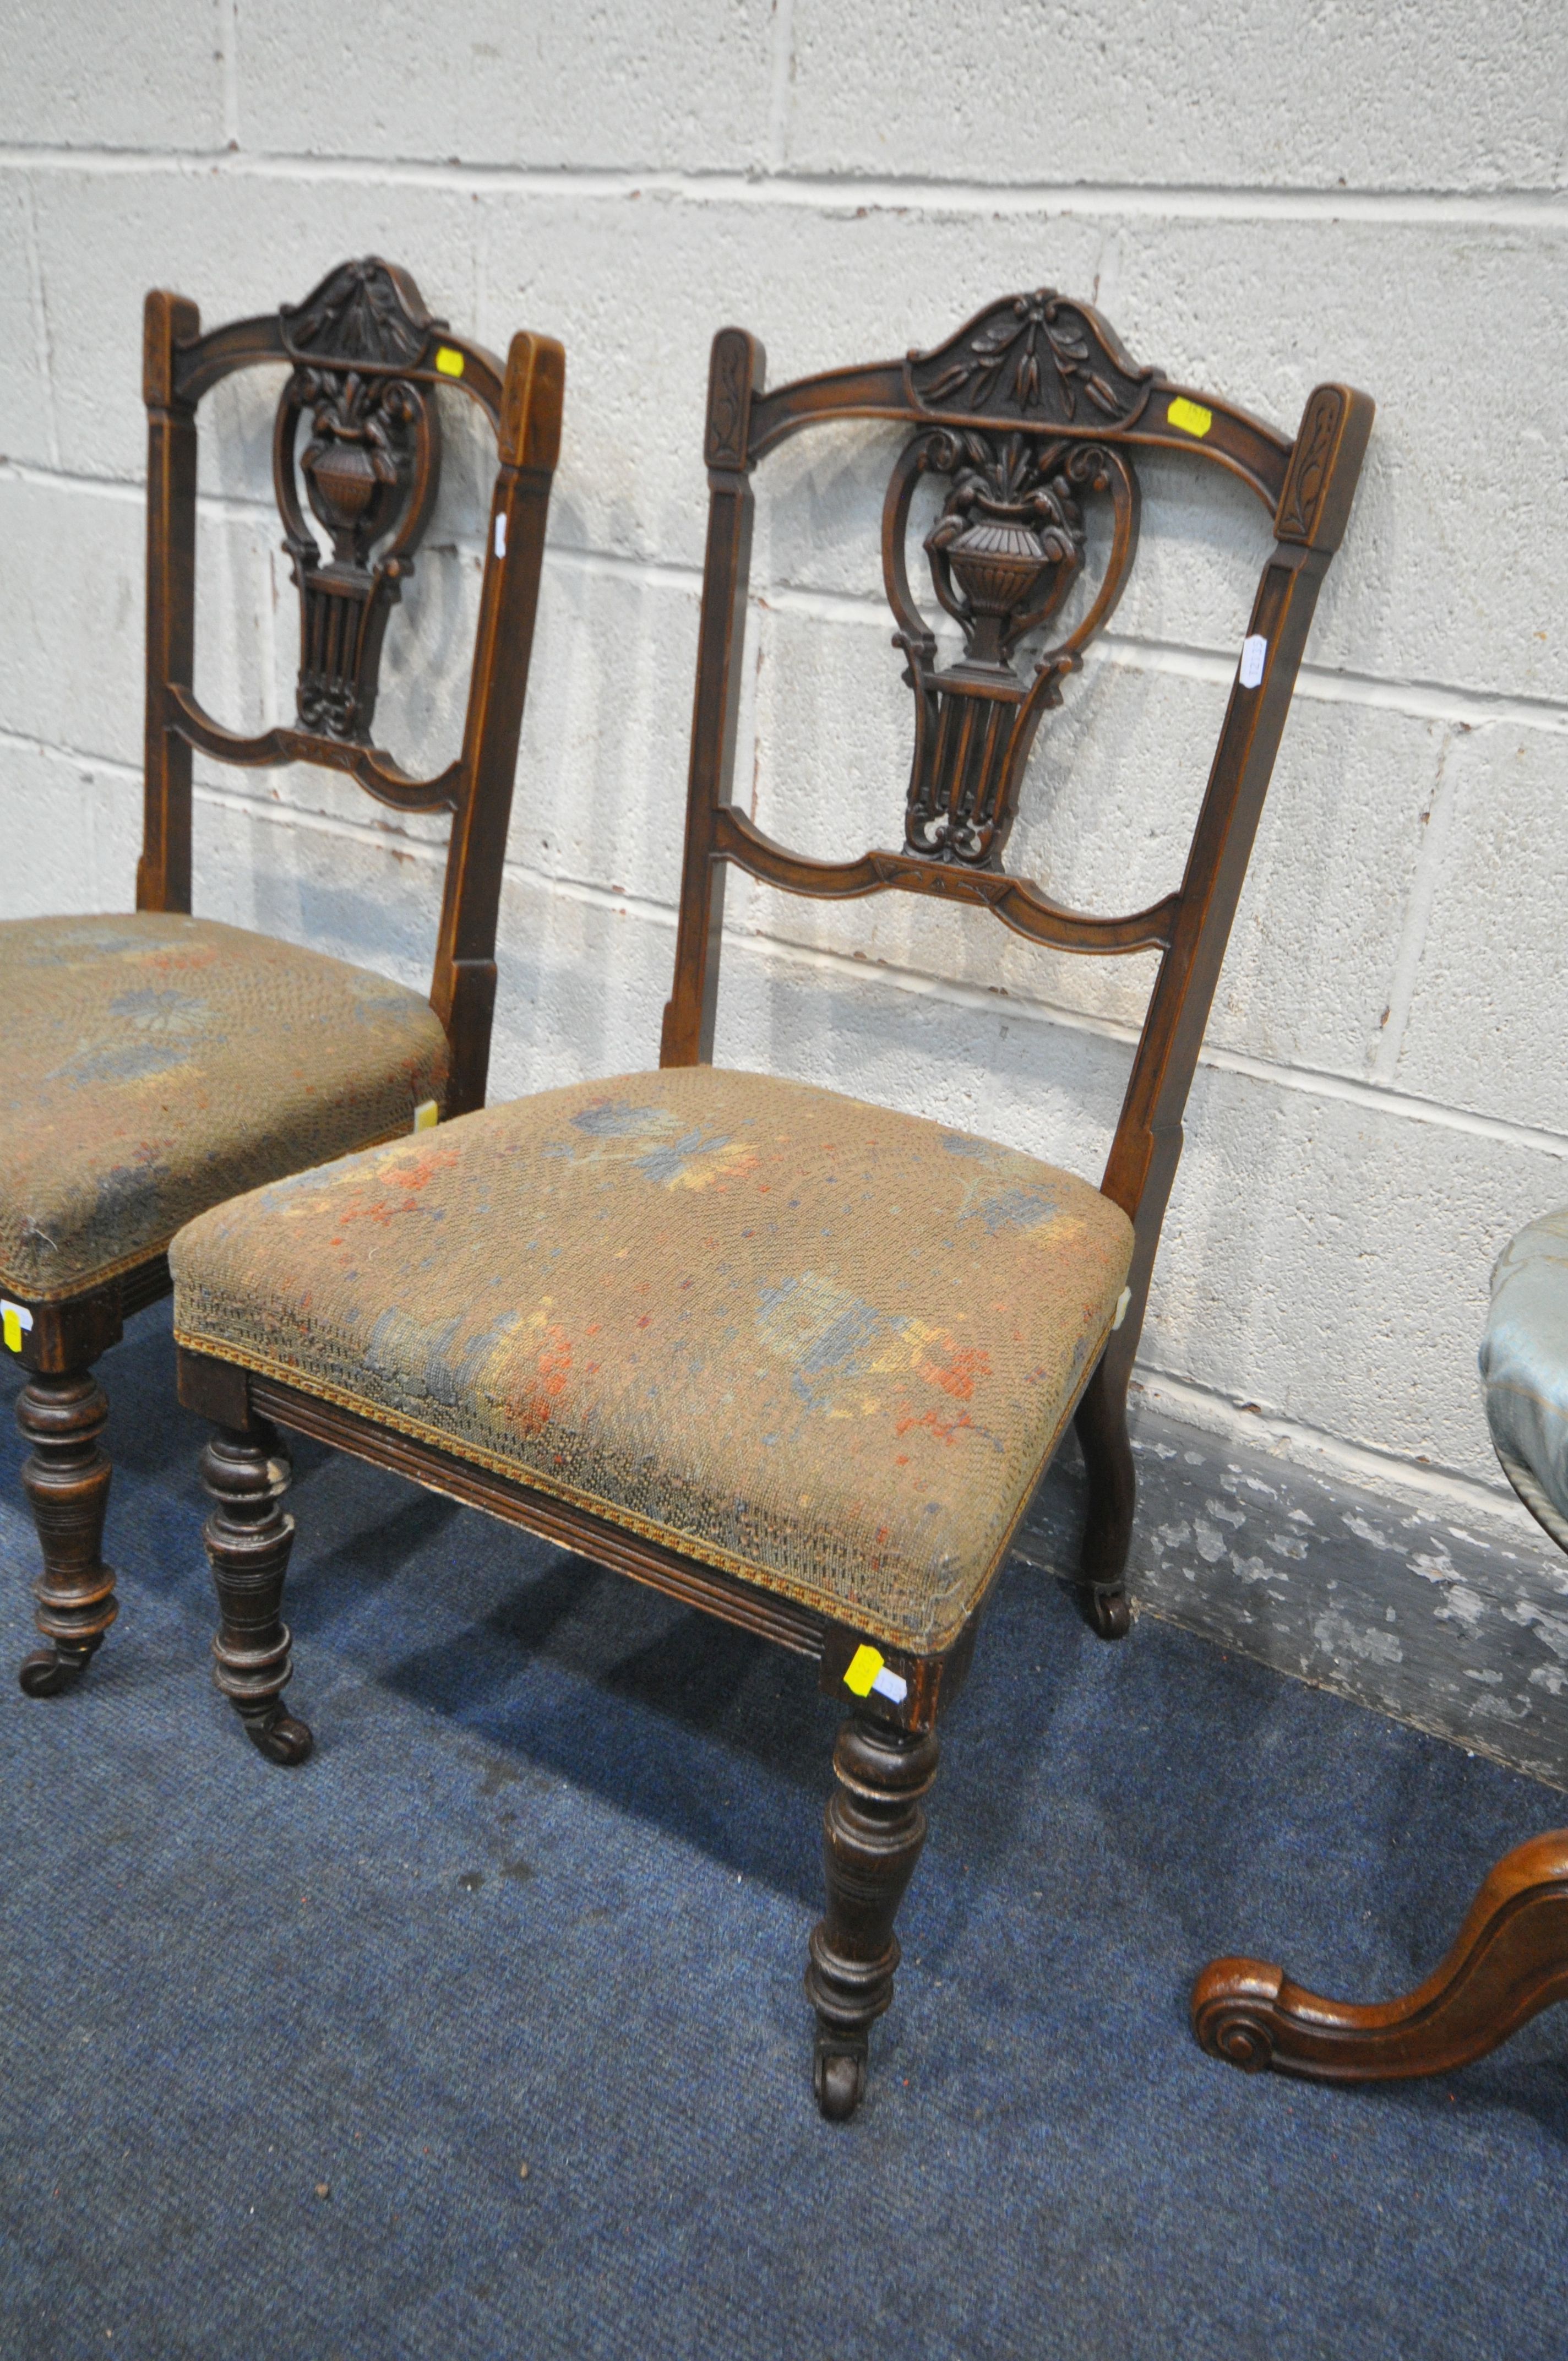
(824,1346)
(156,1064)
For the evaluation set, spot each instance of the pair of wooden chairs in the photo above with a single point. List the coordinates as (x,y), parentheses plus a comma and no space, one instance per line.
(791,1359)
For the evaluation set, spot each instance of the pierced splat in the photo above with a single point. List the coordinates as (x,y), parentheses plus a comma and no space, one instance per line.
(356,448)
(1004,555)
(371,471)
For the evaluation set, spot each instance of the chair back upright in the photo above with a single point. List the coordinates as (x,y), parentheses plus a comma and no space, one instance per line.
(365,358)
(1029,412)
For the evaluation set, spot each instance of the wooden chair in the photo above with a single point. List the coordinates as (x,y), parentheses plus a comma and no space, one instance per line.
(1510,1958)
(159,1062)
(785,1356)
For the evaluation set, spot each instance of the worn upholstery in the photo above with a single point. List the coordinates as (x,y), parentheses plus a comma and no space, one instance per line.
(825,1346)
(154,1065)
(1524,1355)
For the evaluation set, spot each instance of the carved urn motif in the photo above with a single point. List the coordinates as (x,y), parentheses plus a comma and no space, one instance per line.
(997,549)
(999,563)
(1006,553)
(343,475)
(369,471)
(359,456)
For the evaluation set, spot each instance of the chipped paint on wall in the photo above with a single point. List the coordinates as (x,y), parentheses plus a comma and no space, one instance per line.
(1400,1611)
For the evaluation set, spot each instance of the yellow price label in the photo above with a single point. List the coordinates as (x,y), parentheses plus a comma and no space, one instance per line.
(868,1669)
(1190,416)
(14,1317)
(448,360)
(864,1666)
(427,1115)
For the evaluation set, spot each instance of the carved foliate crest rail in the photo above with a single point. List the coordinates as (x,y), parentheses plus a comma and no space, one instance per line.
(1032,360)
(369,471)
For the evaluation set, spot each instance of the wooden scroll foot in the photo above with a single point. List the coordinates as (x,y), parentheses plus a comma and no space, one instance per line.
(66,1478)
(1510,1961)
(248,1537)
(873,1833)
(1102,1423)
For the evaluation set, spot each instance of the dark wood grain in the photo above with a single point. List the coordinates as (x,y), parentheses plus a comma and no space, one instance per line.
(163,873)
(873,1833)
(248,1537)
(567,1522)
(1100,1423)
(735,366)
(1509,1960)
(464,990)
(1018,903)
(66,1478)
(366,356)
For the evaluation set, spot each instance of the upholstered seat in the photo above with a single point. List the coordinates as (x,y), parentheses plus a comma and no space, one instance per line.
(156,1064)
(1524,1359)
(822,1345)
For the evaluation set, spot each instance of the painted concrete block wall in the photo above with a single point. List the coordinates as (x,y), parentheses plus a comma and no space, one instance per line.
(1257,200)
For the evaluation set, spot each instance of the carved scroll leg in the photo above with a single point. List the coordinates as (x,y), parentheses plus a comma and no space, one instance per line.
(872,1834)
(248,1537)
(1102,1423)
(66,1478)
(1510,1961)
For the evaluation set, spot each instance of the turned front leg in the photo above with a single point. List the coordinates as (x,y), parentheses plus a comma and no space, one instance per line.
(66,1478)
(248,1537)
(872,1834)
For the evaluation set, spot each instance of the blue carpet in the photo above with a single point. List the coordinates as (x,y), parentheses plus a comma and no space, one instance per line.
(542,1899)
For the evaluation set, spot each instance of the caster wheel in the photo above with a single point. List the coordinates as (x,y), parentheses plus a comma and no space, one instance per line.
(1111,1612)
(840,2079)
(282,1737)
(50,1672)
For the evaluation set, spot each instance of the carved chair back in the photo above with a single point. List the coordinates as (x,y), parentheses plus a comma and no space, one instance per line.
(1028,414)
(365,359)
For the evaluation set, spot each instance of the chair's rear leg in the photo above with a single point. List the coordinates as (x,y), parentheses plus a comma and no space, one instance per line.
(1102,1423)
(871,1839)
(248,1537)
(66,1478)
